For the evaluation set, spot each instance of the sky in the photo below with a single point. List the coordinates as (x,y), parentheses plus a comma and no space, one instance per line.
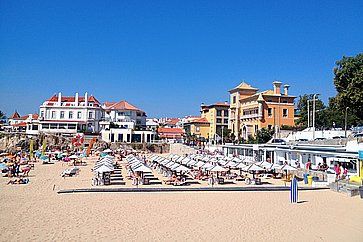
(168,57)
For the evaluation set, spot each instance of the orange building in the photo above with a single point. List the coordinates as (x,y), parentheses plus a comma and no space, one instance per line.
(251,110)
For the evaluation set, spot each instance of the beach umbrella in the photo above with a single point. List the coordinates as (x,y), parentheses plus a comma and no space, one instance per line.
(3,166)
(107,151)
(143,168)
(207,166)
(73,157)
(255,168)
(44,146)
(287,168)
(103,169)
(31,147)
(265,164)
(182,168)
(199,164)
(44,157)
(218,168)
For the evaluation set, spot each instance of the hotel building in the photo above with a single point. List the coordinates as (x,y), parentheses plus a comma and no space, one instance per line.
(251,110)
(70,114)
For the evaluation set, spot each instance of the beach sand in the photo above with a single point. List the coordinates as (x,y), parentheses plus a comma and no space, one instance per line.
(36,212)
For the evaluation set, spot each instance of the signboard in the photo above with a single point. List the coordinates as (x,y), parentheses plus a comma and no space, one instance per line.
(360,154)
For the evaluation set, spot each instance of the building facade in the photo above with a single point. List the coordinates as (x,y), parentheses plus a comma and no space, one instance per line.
(124,115)
(217,116)
(199,127)
(251,110)
(70,114)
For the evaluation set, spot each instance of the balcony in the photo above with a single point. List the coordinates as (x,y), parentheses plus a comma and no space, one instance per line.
(250,116)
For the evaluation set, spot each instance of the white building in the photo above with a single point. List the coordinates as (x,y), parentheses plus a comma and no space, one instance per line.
(70,114)
(152,124)
(123,115)
(28,123)
(127,135)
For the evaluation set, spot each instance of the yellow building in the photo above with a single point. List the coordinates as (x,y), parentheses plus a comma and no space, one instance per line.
(217,116)
(251,110)
(198,127)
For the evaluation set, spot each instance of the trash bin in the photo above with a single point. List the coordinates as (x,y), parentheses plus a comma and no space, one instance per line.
(306,178)
(310,180)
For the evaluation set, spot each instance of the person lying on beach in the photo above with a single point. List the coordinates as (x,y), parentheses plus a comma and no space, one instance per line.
(19,181)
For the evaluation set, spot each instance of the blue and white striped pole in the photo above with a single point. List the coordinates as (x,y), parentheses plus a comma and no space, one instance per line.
(293,191)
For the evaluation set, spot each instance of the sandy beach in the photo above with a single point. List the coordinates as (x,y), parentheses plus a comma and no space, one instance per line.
(36,212)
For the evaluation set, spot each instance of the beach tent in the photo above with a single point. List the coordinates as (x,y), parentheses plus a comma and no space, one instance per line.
(103,169)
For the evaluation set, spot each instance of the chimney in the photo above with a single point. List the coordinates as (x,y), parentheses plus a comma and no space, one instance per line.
(86,99)
(59,99)
(277,87)
(76,100)
(286,89)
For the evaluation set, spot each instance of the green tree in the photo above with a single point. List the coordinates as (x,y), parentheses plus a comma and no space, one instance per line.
(264,135)
(302,106)
(348,81)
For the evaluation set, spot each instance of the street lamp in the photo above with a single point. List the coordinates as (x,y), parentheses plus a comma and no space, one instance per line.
(314,99)
(345,127)
(308,113)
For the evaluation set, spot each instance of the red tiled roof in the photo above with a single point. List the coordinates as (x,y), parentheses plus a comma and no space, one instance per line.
(54,98)
(170,131)
(172,121)
(200,120)
(121,105)
(15,115)
(34,116)
(22,124)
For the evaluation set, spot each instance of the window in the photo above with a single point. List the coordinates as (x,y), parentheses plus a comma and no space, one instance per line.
(219,120)
(79,115)
(45,126)
(42,114)
(219,112)
(62,126)
(120,113)
(226,121)
(197,129)
(269,112)
(70,115)
(234,99)
(90,115)
(35,127)
(226,113)
(72,126)
(62,114)
(269,126)
(284,113)
(53,114)
(53,126)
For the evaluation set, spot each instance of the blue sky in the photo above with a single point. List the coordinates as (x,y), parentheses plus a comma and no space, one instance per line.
(167,57)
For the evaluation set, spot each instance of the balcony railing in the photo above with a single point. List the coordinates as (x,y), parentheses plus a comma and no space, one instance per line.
(255,115)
